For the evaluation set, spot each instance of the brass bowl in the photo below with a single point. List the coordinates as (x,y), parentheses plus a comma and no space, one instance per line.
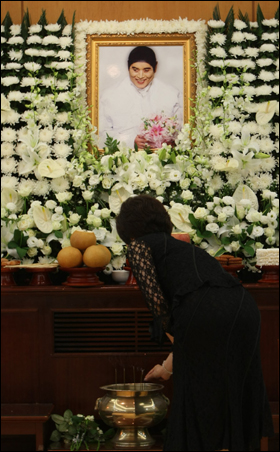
(132,408)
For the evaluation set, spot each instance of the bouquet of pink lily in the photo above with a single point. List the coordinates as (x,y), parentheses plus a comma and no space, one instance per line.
(159,130)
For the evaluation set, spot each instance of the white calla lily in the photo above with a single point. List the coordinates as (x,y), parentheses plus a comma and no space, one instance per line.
(50,168)
(43,219)
(245,192)
(119,194)
(266,112)
(179,215)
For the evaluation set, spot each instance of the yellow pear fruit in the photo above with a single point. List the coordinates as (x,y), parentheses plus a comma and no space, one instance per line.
(82,239)
(95,256)
(70,257)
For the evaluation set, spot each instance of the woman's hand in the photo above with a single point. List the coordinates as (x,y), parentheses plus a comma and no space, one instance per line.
(157,372)
(141,142)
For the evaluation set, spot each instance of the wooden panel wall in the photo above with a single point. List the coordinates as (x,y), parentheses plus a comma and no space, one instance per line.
(125,10)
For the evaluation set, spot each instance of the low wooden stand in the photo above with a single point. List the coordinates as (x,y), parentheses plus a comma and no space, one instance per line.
(27,419)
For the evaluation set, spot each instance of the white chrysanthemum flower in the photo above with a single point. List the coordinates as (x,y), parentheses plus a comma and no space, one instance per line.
(216,23)
(48,40)
(216,183)
(215,92)
(266,76)
(9,182)
(8,134)
(250,36)
(236,51)
(218,52)
(35,29)
(218,38)
(61,184)
(217,63)
(7,149)
(15,40)
(238,36)
(65,42)
(35,39)
(62,117)
(8,81)
(8,165)
(234,127)
(263,62)
(28,81)
(62,84)
(32,67)
(263,90)
(251,52)
(62,150)
(248,77)
(41,188)
(15,54)
(239,24)
(270,22)
(10,117)
(46,117)
(217,148)
(61,134)
(52,27)
(46,135)
(64,55)
(270,36)
(67,30)
(268,48)
(13,66)
(266,145)
(216,78)
(26,187)
(15,96)
(63,97)
(216,130)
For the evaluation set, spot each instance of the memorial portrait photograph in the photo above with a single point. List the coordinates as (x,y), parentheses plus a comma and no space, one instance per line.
(140,87)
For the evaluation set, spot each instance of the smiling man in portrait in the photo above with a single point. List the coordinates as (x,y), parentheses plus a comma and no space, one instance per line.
(139,95)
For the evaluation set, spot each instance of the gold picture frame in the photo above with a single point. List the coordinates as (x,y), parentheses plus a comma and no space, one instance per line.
(95,44)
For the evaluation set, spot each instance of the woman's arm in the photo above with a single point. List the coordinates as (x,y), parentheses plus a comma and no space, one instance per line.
(163,371)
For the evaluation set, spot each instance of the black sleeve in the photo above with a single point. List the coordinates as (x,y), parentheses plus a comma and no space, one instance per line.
(143,268)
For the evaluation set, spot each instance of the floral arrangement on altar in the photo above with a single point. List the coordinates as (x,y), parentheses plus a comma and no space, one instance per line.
(219,180)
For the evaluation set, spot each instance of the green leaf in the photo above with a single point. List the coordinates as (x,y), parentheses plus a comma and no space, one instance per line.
(193,220)
(220,252)
(226,241)
(58,234)
(12,244)
(21,252)
(81,210)
(57,418)
(68,413)
(55,436)
(173,157)
(204,234)
(62,427)
(249,250)
(162,154)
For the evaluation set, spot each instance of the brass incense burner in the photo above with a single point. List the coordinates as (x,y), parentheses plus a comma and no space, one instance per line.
(132,408)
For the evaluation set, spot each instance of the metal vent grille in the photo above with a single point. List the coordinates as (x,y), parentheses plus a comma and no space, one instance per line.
(103,332)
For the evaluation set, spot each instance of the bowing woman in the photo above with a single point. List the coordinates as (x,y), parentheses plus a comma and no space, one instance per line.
(140,95)
(219,397)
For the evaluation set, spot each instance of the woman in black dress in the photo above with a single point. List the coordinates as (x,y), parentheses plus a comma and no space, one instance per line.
(219,398)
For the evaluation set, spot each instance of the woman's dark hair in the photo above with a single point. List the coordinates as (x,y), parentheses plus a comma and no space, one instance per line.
(141,215)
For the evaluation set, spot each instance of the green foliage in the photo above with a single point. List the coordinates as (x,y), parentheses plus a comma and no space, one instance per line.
(77,430)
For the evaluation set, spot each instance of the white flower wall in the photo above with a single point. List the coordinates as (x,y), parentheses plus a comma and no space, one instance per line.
(220,182)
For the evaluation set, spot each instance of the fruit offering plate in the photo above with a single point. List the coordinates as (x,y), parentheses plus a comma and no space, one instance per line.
(82,276)
(270,274)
